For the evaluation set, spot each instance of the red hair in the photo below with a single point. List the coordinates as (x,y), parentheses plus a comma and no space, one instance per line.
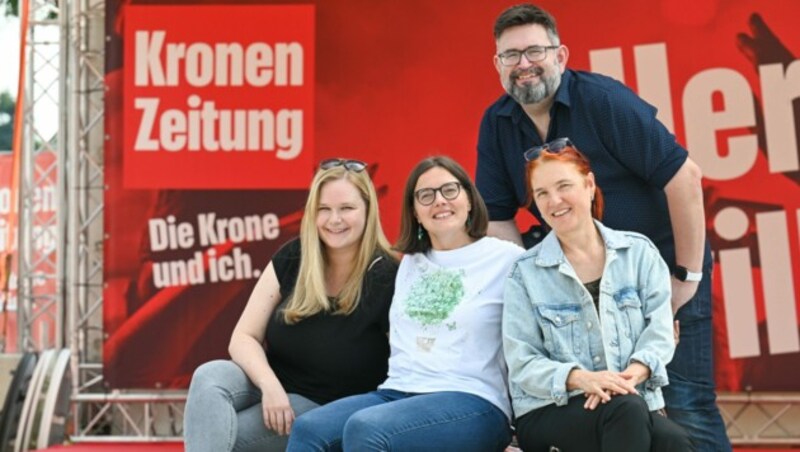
(569,154)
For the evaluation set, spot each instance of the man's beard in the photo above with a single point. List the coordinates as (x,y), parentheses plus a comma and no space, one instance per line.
(533,93)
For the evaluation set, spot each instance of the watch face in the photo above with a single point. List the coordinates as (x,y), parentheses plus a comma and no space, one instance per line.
(683,274)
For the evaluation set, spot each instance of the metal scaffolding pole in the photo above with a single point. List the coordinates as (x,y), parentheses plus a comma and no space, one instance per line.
(41,207)
(85,198)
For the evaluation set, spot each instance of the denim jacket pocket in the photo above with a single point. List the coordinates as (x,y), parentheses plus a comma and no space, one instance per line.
(560,329)
(630,315)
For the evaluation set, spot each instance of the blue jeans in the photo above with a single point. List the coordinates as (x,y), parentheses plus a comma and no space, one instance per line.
(223,412)
(385,420)
(690,396)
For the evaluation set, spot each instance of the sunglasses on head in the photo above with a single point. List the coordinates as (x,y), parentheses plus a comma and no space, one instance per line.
(553,147)
(355,166)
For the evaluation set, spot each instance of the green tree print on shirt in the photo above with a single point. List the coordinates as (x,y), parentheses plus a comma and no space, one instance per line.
(434,295)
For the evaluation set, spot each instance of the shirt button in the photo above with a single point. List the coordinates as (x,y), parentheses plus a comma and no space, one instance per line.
(589,325)
(558,319)
(597,359)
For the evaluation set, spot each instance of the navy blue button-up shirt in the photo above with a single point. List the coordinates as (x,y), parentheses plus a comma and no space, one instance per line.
(632,153)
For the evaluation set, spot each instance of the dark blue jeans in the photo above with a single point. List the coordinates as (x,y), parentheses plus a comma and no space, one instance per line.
(392,420)
(690,396)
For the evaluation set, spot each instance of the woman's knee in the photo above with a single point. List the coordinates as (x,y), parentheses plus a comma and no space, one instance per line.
(302,427)
(678,441)
(308,435)
(217,373)
(669,436)
(217,385)
(631,403)
(630,408)
(363,431)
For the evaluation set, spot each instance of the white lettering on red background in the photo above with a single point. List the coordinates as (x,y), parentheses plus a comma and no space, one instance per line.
(201,126)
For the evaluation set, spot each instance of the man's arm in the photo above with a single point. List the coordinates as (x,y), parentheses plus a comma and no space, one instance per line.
(495,184)
(685,200)
(506,230)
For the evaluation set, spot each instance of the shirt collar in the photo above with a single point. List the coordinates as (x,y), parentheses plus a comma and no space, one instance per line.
(562,93)
(551,254)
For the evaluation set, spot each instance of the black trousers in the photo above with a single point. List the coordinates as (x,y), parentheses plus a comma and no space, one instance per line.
(622,424)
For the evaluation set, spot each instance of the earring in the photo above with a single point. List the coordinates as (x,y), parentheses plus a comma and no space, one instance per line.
(469,221)
(420,232)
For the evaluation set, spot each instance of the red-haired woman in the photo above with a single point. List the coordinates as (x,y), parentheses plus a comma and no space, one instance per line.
(587,325)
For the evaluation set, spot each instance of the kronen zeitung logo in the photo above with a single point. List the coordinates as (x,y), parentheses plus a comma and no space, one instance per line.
(201,125)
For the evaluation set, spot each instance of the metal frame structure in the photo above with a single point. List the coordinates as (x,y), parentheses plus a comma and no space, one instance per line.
(85,85)
(761,419)
(40,266)
(73,307)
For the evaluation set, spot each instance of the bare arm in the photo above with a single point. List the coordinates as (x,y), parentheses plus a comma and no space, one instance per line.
(685,200)
(246,350)
(506,230)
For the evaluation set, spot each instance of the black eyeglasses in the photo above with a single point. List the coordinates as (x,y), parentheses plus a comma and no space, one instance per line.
(355,166)
(553,147)
(449,191)
(534,54)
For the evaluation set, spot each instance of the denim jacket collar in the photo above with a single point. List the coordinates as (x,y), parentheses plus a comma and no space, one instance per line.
(551,254)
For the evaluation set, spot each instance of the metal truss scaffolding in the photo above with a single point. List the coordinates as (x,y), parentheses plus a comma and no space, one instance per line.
(40,238)
(761,418)
(60,257)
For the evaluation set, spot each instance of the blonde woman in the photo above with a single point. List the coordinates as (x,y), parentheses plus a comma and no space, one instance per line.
(321,306)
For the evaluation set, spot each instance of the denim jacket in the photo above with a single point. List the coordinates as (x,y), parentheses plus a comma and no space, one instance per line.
(551,325)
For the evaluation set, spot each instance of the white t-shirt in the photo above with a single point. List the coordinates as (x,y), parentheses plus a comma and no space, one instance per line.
(444,323)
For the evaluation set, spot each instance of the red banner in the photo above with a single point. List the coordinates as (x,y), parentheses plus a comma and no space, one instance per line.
(42,317)
(8,246)
(224,106)
(393,82)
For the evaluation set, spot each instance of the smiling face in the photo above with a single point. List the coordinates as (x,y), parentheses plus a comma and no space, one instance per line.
(341,215)
(563,195)
(445,220)
(526,82)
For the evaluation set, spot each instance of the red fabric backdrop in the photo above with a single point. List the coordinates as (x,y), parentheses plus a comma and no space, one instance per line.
(395,81)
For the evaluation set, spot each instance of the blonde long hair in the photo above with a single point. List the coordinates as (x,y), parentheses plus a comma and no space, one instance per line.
(309,296)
